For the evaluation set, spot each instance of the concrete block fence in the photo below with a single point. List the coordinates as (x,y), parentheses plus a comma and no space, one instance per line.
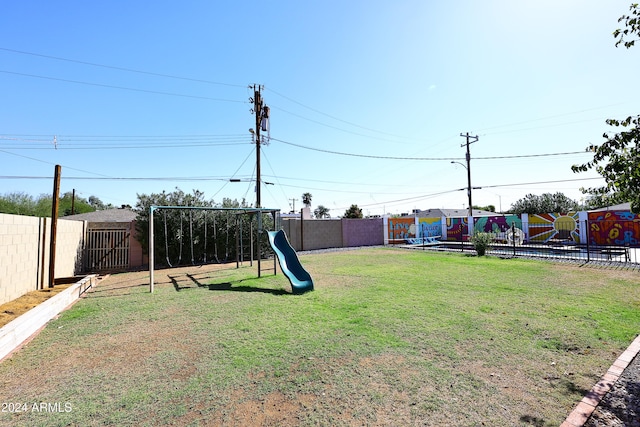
(24,253)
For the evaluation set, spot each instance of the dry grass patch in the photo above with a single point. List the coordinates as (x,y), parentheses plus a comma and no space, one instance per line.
(13,309)
(387,338)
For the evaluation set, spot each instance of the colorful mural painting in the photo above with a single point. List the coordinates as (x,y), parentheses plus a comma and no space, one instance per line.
(402,228)
(430,227)
(614,228)
(457,229)
(554,226)
(497,224)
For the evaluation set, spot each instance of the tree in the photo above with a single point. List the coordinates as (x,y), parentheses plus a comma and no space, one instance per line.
(489,208)
(174,219)
(18,204)
(179,233)
(632,27)
(618,158)
(321,212)
(66,202)
(98,205)
(353,212)
(306,199)
(546,203)
(25,204)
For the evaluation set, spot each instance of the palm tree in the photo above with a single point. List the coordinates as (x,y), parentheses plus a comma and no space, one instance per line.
(306,199)
(353,212)
(321,212)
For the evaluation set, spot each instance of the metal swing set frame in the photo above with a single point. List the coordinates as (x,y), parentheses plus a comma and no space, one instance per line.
(237,211)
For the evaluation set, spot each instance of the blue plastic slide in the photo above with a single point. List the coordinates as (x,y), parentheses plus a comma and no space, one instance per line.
(290,265)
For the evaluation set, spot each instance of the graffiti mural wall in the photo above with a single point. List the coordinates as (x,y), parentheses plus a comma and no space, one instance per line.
(457,229)
(430,227)
(554,226)
(614,228)
(496,224)
(402,228)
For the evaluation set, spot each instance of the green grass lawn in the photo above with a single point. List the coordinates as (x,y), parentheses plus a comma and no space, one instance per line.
(388,337)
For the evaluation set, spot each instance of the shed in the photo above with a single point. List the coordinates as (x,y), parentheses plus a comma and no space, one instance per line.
(110,241)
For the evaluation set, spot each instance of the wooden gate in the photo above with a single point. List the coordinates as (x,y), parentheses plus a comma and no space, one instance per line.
(107,249)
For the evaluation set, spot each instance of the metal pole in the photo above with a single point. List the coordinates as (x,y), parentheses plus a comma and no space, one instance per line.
(259,238)
(275,228)
(238,237)
(588,247)
(151,254)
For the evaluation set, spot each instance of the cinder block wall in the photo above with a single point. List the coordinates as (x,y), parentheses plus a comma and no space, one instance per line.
(321,234)
(24,253)
(69,247)
(362,232)
(333,233)
(291,228)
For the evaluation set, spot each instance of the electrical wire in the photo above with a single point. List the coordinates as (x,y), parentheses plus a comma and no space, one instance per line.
(234,174)
(369,156)
(49,163)
(155,92)
(335,118)
(130,70)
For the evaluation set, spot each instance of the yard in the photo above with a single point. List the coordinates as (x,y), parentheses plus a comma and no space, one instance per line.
(388,337)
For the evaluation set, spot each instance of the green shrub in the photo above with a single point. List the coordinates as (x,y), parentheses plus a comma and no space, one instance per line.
(481,241)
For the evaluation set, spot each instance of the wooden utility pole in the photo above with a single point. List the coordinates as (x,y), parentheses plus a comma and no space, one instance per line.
(262,124)
(54,225)
(257,109)
(468,156)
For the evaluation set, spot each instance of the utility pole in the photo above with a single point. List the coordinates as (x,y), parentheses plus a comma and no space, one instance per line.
(262,123)
(468,156)
(293,206)
(54,225)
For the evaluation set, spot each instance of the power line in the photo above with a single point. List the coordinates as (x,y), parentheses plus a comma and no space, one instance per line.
(335,118)
(161,178)
(126,142)
(155,92)
(50,163)
(369,156)
(120,147)
(539,182)
(547,118)
(362,155)
(130,70)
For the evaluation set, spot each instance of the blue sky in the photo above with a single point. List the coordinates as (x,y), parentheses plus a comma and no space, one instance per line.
(368,98)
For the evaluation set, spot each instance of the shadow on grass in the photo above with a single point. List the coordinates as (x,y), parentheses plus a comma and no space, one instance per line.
(194,282)
(534,421)
(110,291)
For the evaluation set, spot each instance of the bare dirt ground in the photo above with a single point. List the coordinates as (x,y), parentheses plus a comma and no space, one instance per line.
(621,406)
(14,309)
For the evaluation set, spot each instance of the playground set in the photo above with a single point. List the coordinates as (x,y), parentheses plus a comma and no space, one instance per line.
(290,265)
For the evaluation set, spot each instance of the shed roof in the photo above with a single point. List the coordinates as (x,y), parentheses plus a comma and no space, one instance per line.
(107,215)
